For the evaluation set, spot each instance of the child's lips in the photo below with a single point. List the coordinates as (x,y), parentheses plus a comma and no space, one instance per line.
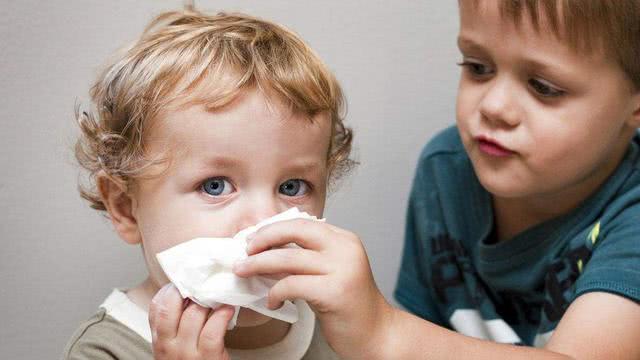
(492,147)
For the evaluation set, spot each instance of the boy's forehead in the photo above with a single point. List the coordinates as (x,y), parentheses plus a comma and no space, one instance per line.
(544,27)
(547,20)
(520,19)
(484,19)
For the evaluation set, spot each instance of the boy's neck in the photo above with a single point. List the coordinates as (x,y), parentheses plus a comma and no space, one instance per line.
(252,337)
(513,216)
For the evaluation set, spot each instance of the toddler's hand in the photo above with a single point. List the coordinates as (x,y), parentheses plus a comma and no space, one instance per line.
(331,272)
(182,329)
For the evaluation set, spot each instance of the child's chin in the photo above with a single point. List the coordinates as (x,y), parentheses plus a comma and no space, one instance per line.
(249,318)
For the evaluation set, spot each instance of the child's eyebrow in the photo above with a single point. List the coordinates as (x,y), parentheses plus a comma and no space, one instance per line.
(541,65)
(221,162)
(468,44)
(305,167)
(532,62)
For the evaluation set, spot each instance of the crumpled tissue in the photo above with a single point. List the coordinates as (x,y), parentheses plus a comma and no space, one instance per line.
(201,269)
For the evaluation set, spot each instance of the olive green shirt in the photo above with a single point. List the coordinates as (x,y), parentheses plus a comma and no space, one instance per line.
(119,330)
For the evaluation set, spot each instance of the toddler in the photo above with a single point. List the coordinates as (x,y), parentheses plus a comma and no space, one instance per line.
(205,126)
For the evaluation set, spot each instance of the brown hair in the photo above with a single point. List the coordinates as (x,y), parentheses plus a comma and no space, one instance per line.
(190,57)
(588,25)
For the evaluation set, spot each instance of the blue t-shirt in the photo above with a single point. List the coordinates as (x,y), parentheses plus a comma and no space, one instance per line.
(515,291)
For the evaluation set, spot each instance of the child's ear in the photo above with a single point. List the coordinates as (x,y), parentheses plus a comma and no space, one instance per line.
(120,206)
(635,116)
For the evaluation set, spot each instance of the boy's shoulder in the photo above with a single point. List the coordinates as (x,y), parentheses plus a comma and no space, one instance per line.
(103,337)
(444,159)
(625,202)
(445,142)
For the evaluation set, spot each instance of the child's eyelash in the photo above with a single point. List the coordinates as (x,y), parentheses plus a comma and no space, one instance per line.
(545,89)
(540,87)
(476,68)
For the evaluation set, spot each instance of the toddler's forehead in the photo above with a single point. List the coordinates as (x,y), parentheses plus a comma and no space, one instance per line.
(251,124)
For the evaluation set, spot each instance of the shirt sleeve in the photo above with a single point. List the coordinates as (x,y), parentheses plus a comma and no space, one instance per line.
(104,338)
(86,351)
(413,288)
(614,265)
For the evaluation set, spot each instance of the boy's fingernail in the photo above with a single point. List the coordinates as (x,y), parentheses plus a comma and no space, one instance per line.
(158,297)
(251,236)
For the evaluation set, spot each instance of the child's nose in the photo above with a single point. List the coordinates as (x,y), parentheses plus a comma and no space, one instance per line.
(499,104)
(257,209)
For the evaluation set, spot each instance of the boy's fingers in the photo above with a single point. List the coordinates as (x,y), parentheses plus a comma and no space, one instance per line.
(191,323)
(211,340)
(295,287)
(307,234)
(165,311)
(282,261)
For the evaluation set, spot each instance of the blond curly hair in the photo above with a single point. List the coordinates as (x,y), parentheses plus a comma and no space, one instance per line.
(191,58)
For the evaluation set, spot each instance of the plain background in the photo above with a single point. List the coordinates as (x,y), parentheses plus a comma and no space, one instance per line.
(59,259)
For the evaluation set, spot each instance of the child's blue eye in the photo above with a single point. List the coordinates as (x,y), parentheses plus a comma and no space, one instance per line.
(217,186)
(544,89)
(294,187)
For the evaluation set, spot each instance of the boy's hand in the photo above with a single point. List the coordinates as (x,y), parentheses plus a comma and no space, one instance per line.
(331,272)
(182,329)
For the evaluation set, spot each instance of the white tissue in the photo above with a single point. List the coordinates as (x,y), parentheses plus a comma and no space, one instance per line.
(201,269)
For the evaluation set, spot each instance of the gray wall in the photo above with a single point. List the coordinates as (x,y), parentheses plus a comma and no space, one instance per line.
(59,259)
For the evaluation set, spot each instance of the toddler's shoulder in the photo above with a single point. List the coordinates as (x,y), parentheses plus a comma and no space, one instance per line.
(103,337)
